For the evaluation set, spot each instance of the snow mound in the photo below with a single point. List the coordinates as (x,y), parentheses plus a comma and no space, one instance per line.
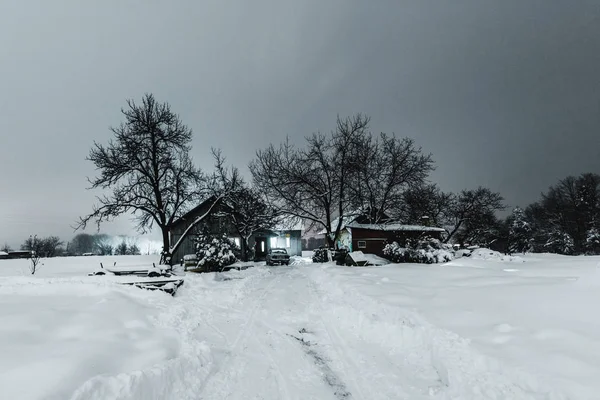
(60,333)
(358,256)
(447,363)
(491,255)
(297,260)
(375,260)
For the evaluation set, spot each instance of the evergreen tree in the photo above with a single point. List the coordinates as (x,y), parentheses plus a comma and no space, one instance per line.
(560,242)
(593,241)
(520,234)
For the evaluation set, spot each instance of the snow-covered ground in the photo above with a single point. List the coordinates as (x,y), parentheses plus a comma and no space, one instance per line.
(483,327)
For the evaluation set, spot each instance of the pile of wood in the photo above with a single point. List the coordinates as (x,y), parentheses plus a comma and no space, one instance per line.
(150,278)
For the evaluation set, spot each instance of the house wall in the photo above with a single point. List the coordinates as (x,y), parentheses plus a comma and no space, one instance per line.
(295,248)
(216,224)
(375,241)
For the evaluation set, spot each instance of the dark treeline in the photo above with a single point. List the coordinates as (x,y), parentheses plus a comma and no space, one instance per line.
(82,243)
(147,171)
(566,219)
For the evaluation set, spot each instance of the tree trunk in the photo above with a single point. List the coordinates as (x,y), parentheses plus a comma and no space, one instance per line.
(245,247)
(451,234)
(165,256)
(330,240)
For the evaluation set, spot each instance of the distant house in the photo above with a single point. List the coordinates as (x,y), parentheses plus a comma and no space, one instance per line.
(19,254)
(219,223)
(312,237)
(289,238)
(372,238)
(358,234)
(3,255)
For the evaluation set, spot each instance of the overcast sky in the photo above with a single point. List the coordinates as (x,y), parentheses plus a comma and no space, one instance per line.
(505,94)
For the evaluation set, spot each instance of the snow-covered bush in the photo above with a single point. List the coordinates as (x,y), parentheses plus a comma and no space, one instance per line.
(215,253)
(560,242)
(424,251)
(592,241)
(520,238)
(320,255)
(395,253)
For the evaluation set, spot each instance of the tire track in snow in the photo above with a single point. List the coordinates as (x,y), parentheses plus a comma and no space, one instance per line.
(333,338)
(405,375)
(340,390)
(216,379)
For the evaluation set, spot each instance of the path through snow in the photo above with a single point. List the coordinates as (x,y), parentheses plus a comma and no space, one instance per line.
(293,333)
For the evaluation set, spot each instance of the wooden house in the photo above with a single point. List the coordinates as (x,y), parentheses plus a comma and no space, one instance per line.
(219,223)
(358,234)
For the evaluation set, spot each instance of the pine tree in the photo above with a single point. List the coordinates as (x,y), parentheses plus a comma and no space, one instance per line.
(560,242)
(520,232)
(593,241)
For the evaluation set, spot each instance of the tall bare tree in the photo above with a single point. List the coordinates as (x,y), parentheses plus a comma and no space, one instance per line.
(51,246)
(476,210)
(311,183)
(383,169)
(245,206)
(148,169)
(425,200)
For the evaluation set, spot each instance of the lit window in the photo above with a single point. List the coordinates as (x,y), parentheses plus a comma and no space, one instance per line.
(274,241)
(288,242)
(362,244)
(237,241)
(262,246)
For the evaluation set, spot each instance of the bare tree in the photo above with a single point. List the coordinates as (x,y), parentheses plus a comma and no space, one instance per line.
(217,189)
(475,206)
(383,169)
(149,170)
(6,248)
(103,244)
(82,243)
(34,263)
(32,244)
(50,246)
(311,183)
(425,200)
(245,206)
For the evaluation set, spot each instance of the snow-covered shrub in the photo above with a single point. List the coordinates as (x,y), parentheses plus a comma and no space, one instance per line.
(424,251)
(520,238)
(395,253)
(320,255)
(592,241)
(560,242)
(215,253)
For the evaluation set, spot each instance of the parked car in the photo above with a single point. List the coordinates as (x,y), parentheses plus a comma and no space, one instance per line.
(278,256)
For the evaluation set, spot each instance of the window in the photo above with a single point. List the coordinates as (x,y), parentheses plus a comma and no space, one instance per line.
(274,241)
(362,244)
(237,241)
(288,242)
(262,246)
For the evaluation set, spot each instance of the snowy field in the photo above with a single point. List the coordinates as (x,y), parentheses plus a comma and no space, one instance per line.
(483,327)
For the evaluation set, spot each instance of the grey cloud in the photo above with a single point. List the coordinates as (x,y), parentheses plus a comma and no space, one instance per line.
(505,94)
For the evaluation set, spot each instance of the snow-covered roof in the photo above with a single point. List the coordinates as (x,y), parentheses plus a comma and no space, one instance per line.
(349,217)
(3,253)
(396,227)
(283,227)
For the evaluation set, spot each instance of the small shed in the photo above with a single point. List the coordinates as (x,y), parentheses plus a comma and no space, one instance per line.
(371,238)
